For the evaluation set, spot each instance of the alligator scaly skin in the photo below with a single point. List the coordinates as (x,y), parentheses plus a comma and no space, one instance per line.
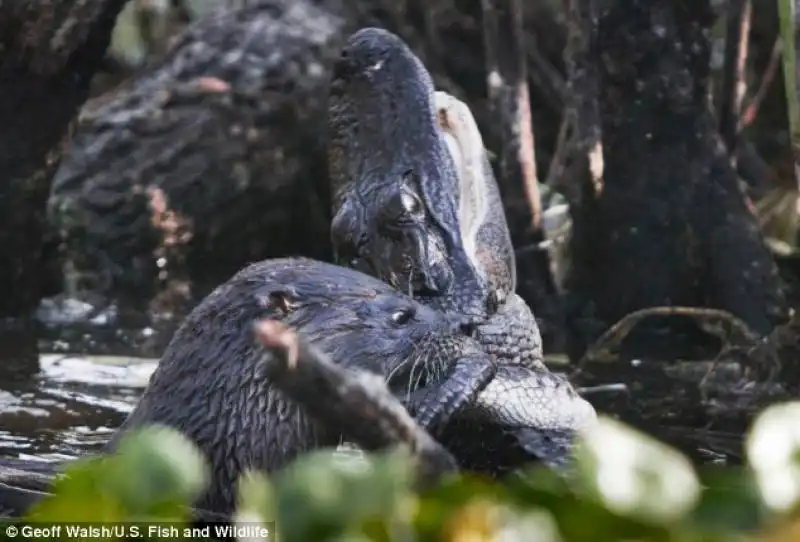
(416,204)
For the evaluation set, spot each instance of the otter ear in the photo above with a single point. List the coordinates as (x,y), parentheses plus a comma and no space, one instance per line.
(282,301)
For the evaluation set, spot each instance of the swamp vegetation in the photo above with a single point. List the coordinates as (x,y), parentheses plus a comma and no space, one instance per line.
(647,153)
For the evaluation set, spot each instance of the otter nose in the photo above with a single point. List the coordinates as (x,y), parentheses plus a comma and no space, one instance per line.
(464,325)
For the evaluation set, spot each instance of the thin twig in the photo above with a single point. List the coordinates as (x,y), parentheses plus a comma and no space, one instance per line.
(750,111)
(618,387)
(733,77)
(510,99)
(562,151)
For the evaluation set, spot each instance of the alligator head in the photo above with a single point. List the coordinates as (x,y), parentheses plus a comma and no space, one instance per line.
(394,181)
(417,205)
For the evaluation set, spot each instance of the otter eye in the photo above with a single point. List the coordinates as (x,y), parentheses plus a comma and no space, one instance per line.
(403,316)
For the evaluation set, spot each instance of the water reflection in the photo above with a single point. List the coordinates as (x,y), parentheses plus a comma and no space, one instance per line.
(71,406)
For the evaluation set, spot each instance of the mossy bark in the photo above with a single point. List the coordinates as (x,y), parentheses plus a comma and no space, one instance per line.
(670,225)
(51,50)
(207,160)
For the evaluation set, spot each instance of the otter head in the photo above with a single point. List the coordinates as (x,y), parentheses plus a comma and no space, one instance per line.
(363,323)
(395,184)
(209,386)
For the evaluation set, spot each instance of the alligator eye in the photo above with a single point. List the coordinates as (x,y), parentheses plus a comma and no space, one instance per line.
(410,202)
(403,316)
(409,199)
(401,208)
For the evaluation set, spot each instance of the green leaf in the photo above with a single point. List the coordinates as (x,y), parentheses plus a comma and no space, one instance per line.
(320,497)
(730,501)
(79,496)
(787,30)
(155,473)
(256,496)
(154,467)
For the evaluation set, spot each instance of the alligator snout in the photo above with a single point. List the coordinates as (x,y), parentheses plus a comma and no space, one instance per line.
(377,58)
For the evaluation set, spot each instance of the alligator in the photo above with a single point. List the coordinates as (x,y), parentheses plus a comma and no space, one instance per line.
(415,203)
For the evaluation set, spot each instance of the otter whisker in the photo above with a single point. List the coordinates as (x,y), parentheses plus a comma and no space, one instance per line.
(417,346)
(428,367)
(415,378)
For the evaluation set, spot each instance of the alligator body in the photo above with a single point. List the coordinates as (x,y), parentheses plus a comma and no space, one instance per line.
(415,203)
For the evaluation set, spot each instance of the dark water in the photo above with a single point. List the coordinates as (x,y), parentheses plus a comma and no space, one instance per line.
(66,386)
(89,379)
(71,407)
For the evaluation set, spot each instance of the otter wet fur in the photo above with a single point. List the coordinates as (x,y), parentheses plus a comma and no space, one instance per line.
(209,386)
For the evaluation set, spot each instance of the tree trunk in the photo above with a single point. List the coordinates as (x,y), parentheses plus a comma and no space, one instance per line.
(50,51)
(209,159)
(198,166)
(670,225)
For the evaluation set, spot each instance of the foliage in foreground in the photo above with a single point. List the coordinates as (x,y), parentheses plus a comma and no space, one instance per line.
(626,486)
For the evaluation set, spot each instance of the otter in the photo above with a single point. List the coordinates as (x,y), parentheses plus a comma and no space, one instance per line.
(208,386)
(211,383)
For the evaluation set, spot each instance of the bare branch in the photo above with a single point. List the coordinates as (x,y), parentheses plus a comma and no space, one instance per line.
(358,404)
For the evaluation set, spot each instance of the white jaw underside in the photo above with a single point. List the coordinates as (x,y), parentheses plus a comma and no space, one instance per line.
(465,144)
